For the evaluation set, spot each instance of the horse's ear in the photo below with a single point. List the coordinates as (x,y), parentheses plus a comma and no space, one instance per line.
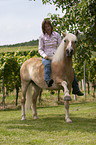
(77,33)
(64,34)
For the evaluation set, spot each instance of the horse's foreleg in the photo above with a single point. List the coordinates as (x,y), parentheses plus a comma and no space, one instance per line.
(34,101)
(67,97)
(23,99)
(67,112)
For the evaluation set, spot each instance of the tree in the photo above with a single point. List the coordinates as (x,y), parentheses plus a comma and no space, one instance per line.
(78,15)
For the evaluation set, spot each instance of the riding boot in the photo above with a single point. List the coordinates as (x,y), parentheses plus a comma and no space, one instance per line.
(49,83)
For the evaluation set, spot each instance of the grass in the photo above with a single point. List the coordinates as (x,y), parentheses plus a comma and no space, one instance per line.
(50,128)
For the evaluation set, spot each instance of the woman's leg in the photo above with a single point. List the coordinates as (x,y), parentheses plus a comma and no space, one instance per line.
(47,68)
(47,71)
(75,87)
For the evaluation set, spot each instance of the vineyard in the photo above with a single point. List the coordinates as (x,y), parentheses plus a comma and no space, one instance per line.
(11,59)
(10,63)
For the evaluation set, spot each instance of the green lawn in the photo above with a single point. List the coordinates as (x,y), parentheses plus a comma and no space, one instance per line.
(50,128)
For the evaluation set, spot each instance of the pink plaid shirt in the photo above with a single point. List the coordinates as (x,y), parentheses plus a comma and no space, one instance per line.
(48,45)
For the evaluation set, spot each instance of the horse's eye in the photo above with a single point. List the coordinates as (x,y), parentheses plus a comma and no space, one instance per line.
(65,41)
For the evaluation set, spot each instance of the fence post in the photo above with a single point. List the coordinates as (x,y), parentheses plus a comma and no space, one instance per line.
(3,91)
(84,82)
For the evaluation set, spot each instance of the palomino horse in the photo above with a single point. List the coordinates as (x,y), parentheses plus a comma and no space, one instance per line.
(32,76)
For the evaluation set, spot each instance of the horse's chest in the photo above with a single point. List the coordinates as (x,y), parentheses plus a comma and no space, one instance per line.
(63,72)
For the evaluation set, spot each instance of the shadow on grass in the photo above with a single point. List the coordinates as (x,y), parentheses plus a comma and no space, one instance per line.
(54,123)
(83,122)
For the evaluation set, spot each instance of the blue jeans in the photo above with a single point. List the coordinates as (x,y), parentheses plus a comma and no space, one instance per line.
(47,68)
(47,71)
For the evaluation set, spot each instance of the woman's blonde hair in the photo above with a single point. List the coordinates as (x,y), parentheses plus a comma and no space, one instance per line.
(43,26)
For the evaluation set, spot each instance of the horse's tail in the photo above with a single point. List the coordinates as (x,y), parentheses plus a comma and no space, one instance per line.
(28,97)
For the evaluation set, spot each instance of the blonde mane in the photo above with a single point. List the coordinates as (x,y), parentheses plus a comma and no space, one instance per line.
(60,50)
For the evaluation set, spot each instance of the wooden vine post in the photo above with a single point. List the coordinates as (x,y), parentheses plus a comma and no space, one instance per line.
(3,91)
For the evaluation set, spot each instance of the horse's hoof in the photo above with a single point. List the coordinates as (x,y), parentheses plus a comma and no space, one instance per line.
(67,98)
(35,117)
(68,120)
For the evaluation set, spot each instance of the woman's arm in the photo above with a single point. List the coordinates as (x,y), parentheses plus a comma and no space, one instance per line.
(59,39)
(41,47)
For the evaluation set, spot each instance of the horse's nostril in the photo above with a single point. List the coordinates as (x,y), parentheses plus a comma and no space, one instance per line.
(67,52)
(71,52)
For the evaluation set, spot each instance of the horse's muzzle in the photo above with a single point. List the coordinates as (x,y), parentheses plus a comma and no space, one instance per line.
(69,52)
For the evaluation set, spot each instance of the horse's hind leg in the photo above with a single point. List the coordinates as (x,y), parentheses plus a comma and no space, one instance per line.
(34,101)
(24,86)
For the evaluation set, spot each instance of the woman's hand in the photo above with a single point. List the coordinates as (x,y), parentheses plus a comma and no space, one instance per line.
(46,57)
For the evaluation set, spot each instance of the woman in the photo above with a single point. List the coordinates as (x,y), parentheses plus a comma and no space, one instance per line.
(48,43)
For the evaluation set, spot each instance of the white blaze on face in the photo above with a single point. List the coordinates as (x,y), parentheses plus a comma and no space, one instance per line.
(69,46)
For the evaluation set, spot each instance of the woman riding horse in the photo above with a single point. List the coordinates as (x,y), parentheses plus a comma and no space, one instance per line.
(48,43)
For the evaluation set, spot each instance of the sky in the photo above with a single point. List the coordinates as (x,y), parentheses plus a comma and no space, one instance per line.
(21,20)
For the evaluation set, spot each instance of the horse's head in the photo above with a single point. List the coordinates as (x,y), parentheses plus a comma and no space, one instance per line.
(70,41)
(66,48)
